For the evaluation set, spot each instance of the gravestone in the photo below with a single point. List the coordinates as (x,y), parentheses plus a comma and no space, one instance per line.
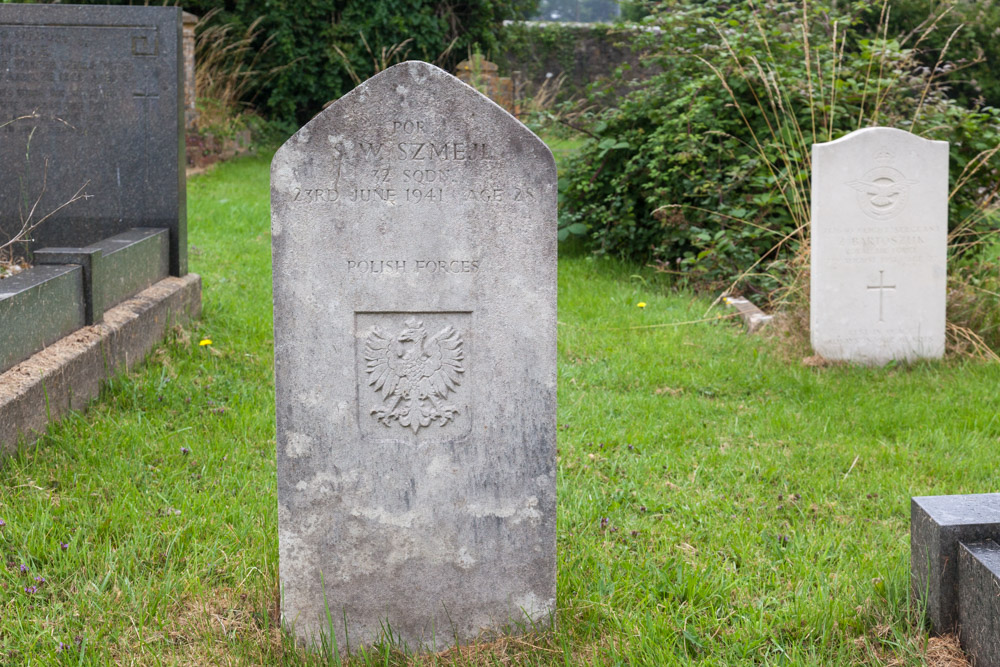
(92,97)
(938,526)
(955,569)
(879,243)
(414,247)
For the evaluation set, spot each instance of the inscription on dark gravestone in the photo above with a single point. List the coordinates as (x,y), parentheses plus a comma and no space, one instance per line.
(92,96)
(414,240)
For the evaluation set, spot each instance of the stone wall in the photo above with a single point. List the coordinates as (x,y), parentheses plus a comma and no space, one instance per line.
(584,52)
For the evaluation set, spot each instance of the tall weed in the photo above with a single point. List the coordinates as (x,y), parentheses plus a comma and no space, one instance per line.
(227,70)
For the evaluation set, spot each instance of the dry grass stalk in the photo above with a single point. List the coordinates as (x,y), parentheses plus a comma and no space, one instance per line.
(32,218)
(228,67)
(965,341)
(386,58)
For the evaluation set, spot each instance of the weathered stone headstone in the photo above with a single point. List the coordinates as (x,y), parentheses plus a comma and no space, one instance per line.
(879,247)
(92,96)
(414,242)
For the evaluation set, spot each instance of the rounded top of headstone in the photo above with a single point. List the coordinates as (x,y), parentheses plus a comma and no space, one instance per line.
(880,133)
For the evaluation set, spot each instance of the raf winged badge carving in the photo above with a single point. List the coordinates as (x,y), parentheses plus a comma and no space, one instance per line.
(882,191)
(414,374)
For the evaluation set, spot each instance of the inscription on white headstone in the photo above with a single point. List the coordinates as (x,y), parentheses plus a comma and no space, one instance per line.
(879,247)
(414,241)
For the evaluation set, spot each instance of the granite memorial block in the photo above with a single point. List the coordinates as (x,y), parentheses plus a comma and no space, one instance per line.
(879,243)
(979,602)
(37,308)
(92,97)
(414,247)
(938,524)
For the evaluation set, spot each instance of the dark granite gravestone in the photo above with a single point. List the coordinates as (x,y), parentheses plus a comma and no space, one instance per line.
(92,97)
(938,524)
(979,602)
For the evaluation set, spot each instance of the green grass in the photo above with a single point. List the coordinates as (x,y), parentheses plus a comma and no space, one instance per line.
(756,509)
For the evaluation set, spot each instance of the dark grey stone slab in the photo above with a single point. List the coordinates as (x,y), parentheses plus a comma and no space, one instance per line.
(91,260)
(414,241)
(92,95)
(133,261)
(115,268)
(38,307)
(937,525)
(979,602)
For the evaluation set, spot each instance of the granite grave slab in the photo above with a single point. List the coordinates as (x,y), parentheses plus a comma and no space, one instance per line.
(938,524)
(115,268)
(979,602)
(414,246)
(878,243)
(37,308)
(92,97)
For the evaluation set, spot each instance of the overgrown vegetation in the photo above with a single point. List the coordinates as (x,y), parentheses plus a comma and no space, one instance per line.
(707,510)
(227,69)
(967,34)
(303,36)
(705,168)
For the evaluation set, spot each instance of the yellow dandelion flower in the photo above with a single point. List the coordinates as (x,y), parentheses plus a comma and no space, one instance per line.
(641,304)
(205,341)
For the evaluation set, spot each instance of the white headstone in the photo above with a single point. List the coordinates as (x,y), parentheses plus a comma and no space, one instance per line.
(879,247)
(414,241)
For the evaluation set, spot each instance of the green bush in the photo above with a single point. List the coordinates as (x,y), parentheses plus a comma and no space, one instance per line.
(706,167)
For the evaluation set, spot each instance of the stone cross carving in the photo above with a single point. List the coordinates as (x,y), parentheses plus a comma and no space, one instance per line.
(881,287)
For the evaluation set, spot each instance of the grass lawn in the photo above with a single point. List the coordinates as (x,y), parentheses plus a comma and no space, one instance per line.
(719,502)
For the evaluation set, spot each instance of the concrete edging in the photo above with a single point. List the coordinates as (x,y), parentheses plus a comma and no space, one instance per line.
(67,375)
(753,317)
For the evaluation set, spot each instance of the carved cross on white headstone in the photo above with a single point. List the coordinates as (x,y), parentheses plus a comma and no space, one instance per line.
(881,287)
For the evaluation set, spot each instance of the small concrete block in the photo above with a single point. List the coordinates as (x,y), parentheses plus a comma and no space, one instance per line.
(979,602)
(937,525)
(753,317)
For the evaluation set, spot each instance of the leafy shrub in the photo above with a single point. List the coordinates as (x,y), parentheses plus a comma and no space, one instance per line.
(705,169)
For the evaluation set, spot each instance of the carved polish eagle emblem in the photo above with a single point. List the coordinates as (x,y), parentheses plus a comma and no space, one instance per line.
(414,374)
